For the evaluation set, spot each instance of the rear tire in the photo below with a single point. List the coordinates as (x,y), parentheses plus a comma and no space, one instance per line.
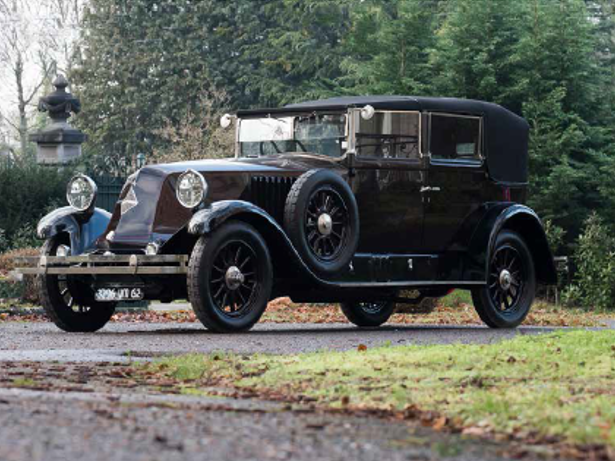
(368,314)
(230,278)
(511,284)
(67,302)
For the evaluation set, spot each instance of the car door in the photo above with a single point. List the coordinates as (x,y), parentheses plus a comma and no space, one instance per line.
(455,179)
(389,174)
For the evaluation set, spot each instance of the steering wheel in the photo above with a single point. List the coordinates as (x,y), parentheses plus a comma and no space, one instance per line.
(262,150)
(300,144)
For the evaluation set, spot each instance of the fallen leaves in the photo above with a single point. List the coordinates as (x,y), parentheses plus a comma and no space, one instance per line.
(439,423)
(283,310)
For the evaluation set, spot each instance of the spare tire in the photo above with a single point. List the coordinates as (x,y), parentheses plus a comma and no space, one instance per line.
(321,217)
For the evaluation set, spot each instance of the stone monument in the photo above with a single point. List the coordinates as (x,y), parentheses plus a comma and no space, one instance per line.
(58,143)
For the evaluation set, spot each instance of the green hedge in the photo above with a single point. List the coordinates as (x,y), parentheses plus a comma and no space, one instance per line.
(27,193)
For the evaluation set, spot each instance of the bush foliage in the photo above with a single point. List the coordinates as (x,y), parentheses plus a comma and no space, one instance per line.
(594,282)
(28,192)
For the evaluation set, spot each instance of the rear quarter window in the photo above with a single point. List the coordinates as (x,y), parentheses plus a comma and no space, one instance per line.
(455,138)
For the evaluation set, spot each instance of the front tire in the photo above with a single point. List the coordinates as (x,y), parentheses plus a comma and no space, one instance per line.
(511,284)
(368,314)
(68,302)
(230,278)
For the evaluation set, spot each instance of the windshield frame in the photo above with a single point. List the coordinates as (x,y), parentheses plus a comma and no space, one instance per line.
(294,116)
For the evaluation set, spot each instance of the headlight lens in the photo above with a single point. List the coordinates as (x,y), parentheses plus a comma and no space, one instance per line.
(81,192)
(191,189)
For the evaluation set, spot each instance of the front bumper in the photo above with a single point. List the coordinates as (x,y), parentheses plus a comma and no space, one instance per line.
(104,265)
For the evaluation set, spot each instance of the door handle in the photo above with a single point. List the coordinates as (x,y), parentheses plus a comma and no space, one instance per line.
(429,189)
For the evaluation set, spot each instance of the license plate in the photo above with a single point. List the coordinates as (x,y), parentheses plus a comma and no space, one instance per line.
(108,295)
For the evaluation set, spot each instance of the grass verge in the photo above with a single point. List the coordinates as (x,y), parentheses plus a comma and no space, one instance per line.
(557,388)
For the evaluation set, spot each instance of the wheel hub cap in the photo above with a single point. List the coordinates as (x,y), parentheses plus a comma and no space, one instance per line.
(505,280)
(234,278)
(325,224)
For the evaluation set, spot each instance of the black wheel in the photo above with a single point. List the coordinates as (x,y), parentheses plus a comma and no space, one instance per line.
(511,287)
(230,278)
(368,313)
(321,218)
(68,302)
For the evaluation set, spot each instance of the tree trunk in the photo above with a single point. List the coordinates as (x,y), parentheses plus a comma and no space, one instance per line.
(21,104)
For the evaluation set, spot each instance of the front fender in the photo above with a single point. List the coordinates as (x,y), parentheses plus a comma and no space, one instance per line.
(283,251)
(522,220)
(83,229)
(207,220)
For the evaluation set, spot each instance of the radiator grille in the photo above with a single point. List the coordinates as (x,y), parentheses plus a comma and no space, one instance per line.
(270,192)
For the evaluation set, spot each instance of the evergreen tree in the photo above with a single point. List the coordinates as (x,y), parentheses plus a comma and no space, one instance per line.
(559,84)
(475,52)
(388,47)
(298,54)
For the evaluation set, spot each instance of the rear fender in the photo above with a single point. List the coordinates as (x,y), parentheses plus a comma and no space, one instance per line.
(82,228)
(525,222)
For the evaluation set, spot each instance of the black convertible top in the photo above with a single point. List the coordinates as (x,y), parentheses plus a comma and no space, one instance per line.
(506,135)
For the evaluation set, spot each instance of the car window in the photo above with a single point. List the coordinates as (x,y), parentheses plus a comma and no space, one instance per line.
(389,135)
(455,138)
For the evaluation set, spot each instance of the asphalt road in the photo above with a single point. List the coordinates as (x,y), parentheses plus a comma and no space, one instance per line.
(48,426)
(76,415)
(117,341)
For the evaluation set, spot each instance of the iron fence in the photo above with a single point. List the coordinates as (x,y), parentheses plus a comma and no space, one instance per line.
(109,189)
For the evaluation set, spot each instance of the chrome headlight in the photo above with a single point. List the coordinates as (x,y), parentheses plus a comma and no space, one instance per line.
(191,188)
(81,192)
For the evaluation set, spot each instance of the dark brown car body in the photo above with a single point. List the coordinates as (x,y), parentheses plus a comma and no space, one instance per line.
(424,223)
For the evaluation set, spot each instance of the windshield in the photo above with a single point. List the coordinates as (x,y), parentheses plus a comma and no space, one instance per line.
(316,133)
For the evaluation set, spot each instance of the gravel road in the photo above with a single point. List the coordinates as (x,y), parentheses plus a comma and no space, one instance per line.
(43,341)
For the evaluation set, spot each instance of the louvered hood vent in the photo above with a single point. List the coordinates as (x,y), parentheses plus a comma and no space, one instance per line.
(270,192)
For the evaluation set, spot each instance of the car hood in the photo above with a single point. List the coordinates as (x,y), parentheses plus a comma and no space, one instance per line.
(270,164)
(157,214)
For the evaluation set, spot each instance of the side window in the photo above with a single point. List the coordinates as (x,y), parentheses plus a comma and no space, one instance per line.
(455,138)
(389,135)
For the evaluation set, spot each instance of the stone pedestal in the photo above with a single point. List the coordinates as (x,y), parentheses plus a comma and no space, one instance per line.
(58,143)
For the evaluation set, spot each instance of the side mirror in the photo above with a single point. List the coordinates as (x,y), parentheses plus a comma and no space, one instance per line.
(226,120)
(368,112)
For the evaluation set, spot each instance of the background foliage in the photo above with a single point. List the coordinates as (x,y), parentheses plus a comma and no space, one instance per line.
(154,76)
(147,65)
(28,191)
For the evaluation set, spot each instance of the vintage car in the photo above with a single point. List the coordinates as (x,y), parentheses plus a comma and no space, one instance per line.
(348,200)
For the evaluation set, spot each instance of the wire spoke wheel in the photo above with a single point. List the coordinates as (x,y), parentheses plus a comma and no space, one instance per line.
(506,279)
(69,294)
(373,308)
(372,313)
(68,301)
(230,278)
(234,278)
(326,223)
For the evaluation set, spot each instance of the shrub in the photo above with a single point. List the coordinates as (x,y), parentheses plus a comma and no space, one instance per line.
(4,242)
(594,280)
(7,260)
(27,192)
(25,291)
